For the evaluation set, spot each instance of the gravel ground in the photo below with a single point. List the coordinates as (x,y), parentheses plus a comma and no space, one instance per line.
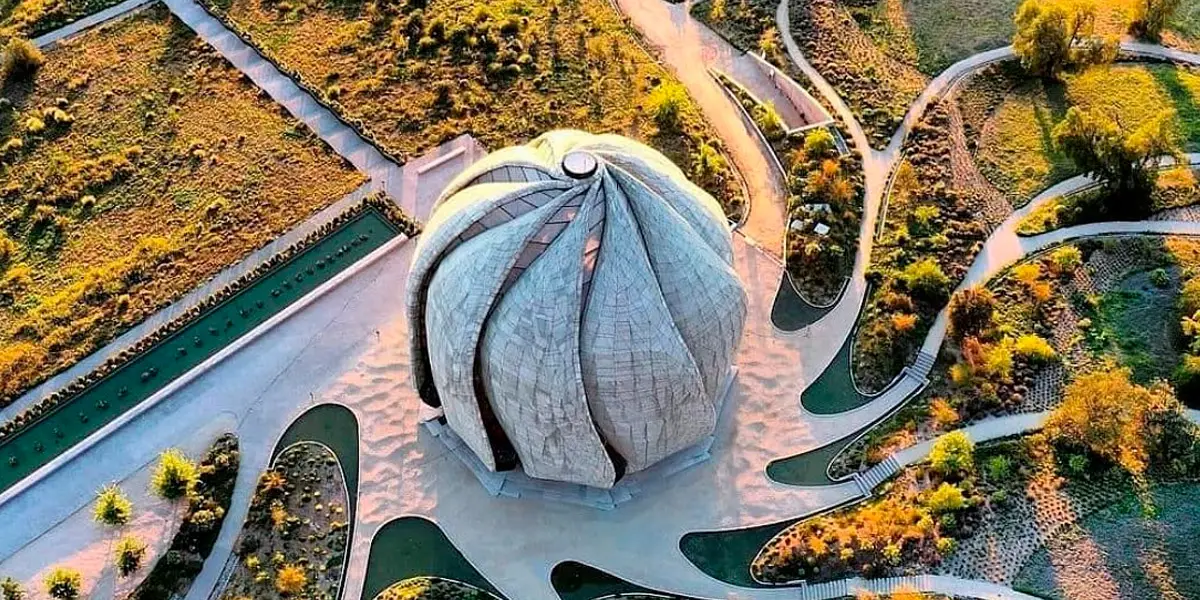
(1124,552)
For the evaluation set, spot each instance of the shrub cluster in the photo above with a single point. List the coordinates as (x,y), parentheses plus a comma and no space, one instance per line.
(433,588)
(930,237)
(207,502)
(914,522)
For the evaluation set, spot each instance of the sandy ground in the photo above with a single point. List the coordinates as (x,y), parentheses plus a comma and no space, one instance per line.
(79,543)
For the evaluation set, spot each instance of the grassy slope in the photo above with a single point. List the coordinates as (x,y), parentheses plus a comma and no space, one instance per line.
(946,31)
(1016,150)
(570,63)
(221,172)
(31,18)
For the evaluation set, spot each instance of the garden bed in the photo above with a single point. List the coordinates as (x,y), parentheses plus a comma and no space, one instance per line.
(296,535)
(138,165)
(1089,301)
(826,190)
(434,588)
(504,72)
(172,575)
(32,18)
(936,216)
(979,513)
(877,85)
(415,547)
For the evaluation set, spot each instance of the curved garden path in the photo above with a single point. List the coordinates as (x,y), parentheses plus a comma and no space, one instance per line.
(689,49)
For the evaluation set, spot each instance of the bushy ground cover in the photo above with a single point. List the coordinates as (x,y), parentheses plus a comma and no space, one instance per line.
(936,217)
(1013,117)
(293,543)
(826,188)
(138,164)
(980,512)
(32,18)
(934,34)
(1015,342)
(1176,188)
(877,83)
(419,72)
(207,502)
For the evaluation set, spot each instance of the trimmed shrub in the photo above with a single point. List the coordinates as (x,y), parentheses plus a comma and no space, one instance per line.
(818,144)
(926,279)
(1065,260)
(1187,380)
(953,454)
(998,468)
(21,59)
(128,555)
(946,498)
(665,104)
(63,583)
(972,311)
(112,508)
(290,580)
(10,589)
(175,475)
(1035,349)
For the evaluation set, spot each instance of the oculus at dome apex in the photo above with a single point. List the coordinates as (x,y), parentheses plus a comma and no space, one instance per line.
(574,308)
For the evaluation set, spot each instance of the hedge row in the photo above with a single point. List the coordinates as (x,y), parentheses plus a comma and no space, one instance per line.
(27,418)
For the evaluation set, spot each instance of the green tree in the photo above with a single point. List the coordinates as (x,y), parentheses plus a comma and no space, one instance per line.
(63,583)
(818,144)
(112,508)
(1150,17)
(128,555)
(10,589)
(1053,35)
(1124,158)
(707,166)
(926,279)
(174,476)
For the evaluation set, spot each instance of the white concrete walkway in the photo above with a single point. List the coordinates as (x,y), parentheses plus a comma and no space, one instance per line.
(89,21)
(689,48)
(384,173)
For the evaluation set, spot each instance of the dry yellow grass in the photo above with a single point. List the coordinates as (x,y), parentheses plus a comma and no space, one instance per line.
(504,71)
(163,167)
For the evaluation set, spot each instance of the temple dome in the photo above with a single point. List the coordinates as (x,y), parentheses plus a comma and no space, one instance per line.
(573,308)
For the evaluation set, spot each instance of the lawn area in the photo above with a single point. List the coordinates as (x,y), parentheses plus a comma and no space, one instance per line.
(138,165)
(31,18)
(1015,149)
(946,31)
(418,73)
(1142,547)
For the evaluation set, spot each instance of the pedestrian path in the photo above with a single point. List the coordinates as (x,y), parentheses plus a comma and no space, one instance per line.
(344,139)
(89,21)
